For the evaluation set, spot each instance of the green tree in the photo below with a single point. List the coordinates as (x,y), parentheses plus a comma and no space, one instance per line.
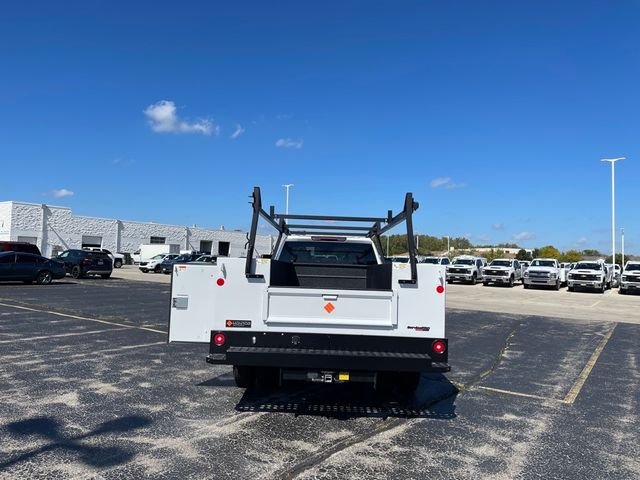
(549,252)
(571,256)
(618,259)
(523,255)
(591,253)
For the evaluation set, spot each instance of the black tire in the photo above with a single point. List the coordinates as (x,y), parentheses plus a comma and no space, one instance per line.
(76,271)
(511,281)
(44,277)
(117,263)
(474,279)
(486,284)
(106,275)
(244,376)
(526,286)
(571,289)
(604,288)
(158,269)
(144,270)
(622,291)
(408,382)
(558,284)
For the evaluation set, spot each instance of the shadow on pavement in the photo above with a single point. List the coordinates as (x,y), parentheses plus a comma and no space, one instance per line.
(434,398)
(51,430)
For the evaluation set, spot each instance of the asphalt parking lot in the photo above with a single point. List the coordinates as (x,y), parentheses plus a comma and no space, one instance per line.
(90,389)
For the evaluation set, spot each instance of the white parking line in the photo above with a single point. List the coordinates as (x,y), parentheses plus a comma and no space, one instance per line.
(47,337)
(77,317)
(519,394)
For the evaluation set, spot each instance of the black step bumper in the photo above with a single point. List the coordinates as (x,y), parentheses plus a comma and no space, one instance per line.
(332,352)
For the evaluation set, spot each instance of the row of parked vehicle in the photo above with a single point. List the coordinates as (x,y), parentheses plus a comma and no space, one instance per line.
(546,272)
(164,262)
(23,262)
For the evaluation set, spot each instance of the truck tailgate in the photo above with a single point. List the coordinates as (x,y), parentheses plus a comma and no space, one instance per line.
(330,307)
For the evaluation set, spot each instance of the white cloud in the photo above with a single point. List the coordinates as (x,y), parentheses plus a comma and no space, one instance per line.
(523,236)
(237,132)
(581,241)
(62,193)
(446,183)
(498,226)
(438,182)
(289,143)
(163,118)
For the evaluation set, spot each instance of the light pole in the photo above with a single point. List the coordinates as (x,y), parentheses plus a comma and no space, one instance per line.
(286,207)
(613,161)
(622,266)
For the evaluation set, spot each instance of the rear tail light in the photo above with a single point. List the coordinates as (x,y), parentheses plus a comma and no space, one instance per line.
(87,261)
(438,346)
(219,339)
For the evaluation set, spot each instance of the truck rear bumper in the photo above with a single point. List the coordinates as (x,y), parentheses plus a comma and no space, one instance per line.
(331,352)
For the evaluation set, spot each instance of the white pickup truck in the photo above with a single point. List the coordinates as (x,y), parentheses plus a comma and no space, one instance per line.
(466,268)
(503,271)
(630,280)
(590,274)
(545,272)
(325,306)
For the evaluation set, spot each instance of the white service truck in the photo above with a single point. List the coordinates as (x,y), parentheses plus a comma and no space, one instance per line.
(148,251)
(466,268)
(545,272)
(324,306)
(590,274)
(630,280)
(503,271)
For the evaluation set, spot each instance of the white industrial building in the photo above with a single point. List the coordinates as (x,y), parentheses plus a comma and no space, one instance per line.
(54,229)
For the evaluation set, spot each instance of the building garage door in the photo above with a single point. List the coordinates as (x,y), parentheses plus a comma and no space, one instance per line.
(90,241)
(206,246)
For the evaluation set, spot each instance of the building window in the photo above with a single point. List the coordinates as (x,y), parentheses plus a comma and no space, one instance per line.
(223,248)
(157,240)
(206,246)
(90,241)
(33,240)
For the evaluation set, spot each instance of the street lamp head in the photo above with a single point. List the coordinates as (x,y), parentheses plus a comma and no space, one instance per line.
(287,185)
(612,160)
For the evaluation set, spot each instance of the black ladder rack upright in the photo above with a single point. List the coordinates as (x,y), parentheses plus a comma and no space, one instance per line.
(375,226)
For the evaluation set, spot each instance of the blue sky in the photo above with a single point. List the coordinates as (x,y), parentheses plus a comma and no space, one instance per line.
(494,114)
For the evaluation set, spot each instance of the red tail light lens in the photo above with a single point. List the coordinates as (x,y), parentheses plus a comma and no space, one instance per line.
(219,339)
(439,346)
(440,289)
(220,282)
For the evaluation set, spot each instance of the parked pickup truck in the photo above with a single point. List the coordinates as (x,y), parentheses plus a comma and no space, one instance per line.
(323,307)
(590,274)
(630,280)
(545,272)
(466,268)
(503,271)
(436,260)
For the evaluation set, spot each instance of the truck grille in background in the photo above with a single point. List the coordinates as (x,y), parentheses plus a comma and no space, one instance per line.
(584,276)
(496,272)
(539,274)
(629,278)
(458,270)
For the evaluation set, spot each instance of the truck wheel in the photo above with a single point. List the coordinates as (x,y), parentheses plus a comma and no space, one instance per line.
(571,289)
(604,287)
(408,382)
(526,286)
(558,283)
(158,269)
(511,281)
(244,376)
(144,270)
(486,284)
(117,263)
(474,279)
(622,291)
